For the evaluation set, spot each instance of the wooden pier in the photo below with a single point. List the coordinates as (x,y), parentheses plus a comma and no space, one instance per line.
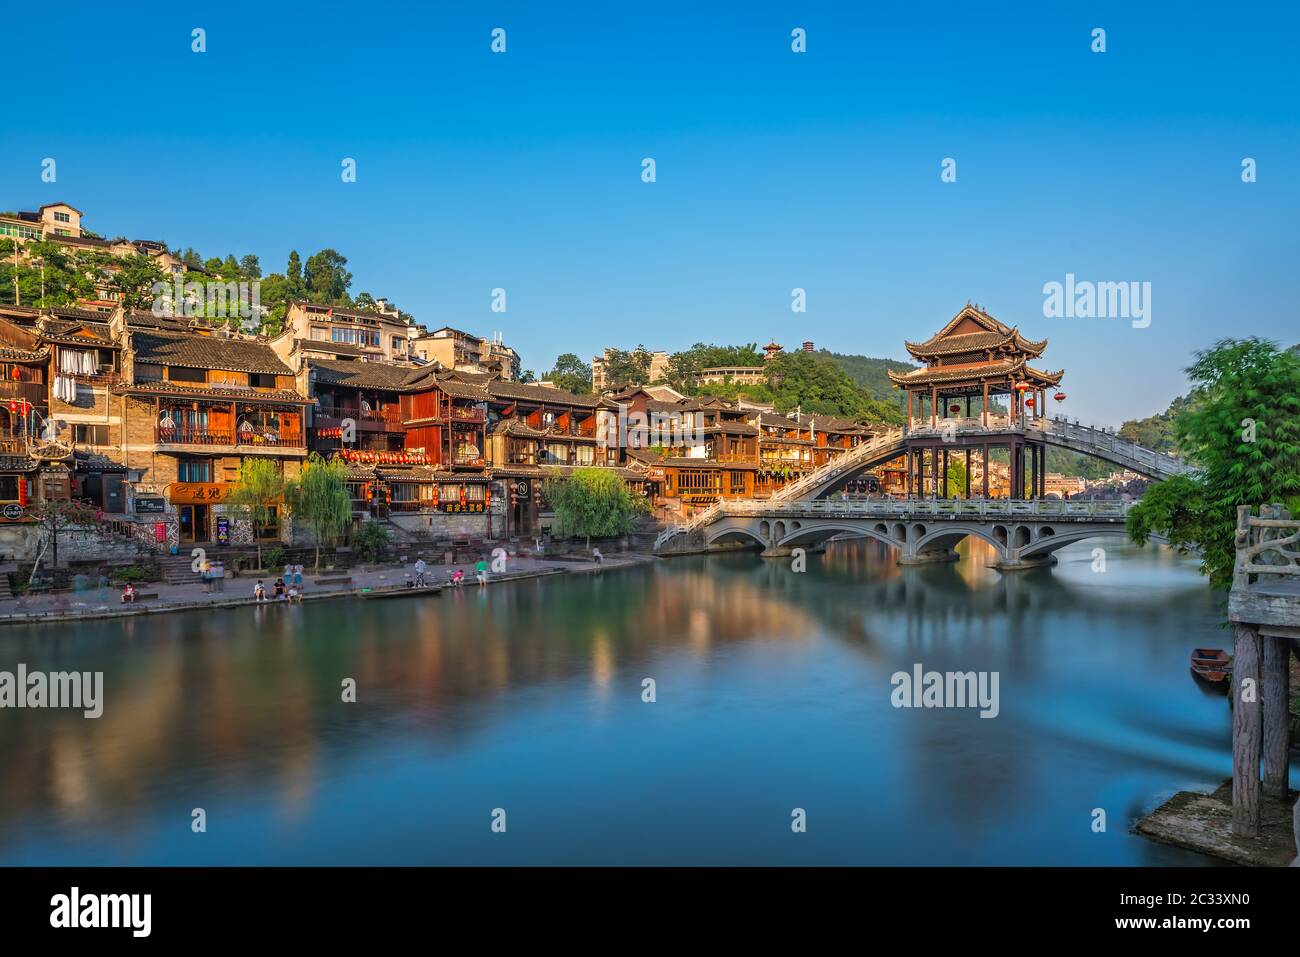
(1264,607)
(1252,820)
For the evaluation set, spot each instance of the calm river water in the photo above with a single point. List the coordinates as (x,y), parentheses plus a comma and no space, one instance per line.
(773,693)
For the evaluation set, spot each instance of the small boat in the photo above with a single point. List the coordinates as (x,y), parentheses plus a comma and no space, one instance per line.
(401,592)
(1211,665)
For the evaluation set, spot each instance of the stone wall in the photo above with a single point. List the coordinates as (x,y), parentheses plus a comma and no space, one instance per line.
(450,525)
(22,541)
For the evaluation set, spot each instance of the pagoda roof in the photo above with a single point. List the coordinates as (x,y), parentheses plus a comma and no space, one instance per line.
(974,330)
(1006,368)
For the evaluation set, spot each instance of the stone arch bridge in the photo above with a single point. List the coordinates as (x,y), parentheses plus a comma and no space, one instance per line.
(1025,533)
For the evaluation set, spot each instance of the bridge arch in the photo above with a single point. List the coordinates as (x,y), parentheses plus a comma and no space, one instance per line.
(950,536)
(729,534)
(1049,540)
(822,531)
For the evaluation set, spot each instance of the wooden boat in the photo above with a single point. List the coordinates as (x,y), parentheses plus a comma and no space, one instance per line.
(402,592)
(1211,665)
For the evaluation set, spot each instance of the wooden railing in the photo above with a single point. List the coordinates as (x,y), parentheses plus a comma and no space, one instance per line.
(1267,546)
(196,436)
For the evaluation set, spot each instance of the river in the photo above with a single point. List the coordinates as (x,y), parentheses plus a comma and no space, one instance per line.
(772,692)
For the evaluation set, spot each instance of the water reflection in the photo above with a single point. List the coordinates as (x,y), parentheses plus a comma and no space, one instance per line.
(772,693)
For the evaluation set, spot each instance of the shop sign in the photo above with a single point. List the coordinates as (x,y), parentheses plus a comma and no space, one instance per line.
(198,493)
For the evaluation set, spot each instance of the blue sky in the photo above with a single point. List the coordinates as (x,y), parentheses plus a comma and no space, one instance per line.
(775,170)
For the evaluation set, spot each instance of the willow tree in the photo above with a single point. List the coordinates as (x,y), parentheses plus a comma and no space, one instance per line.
(593,502)
(257,496)
(1241,428)
(320,500)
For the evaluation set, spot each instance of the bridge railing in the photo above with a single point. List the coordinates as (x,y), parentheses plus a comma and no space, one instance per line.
(1082,438)
(930,508)
(813,479)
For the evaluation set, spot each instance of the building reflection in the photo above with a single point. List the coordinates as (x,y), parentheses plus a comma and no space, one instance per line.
(251,699)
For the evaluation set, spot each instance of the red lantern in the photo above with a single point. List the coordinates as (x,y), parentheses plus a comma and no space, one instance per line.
(1059,397)
(1022,386)
(954,408)
(1030,402)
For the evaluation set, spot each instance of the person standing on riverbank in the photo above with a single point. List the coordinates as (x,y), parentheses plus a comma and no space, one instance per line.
(420,568)
(481,570)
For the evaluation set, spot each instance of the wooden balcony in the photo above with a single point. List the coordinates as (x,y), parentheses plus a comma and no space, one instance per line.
(37,393)
(366,421)
(222,437)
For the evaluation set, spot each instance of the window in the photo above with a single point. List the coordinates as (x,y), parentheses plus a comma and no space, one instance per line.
(21,232)
(262,380)
(9,488)
(397,343)
(194,470)
(63,232)
(356,337)
(90,434)
(320,333)
(62,218)
(180,374)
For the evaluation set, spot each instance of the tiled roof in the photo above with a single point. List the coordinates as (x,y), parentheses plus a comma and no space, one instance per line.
(989,370)
(10,354)
(359,374)
(501,389)
(284,396)
(207,352)
(462,390)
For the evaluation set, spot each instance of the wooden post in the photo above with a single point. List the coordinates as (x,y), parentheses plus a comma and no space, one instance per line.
(1246,732)
(909,409)
(984,409)
(1277,716)
(934,408)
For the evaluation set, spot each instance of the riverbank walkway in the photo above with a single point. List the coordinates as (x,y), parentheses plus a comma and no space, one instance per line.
(360,582)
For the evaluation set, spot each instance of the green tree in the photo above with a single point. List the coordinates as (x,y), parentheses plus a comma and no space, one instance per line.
(257,496)
(956,478)
(370,541)
(571,373)
(593,501)
(133,281)
(627,368)
(293,273)
(326,278)
(1241,428)
(321,501)
(250,267)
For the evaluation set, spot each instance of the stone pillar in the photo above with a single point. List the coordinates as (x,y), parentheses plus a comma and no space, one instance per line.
(1246,732)
(1275,698)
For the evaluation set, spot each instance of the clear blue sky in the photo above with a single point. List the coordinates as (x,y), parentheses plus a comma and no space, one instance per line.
(775,170)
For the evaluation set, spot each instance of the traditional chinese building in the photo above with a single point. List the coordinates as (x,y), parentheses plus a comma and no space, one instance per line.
(193,407)
(974,368)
